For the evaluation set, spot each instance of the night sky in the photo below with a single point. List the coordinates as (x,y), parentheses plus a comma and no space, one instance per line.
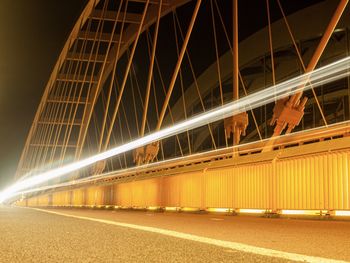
(32,34)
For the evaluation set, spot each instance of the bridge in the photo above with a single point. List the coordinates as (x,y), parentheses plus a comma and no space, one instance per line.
(189,129)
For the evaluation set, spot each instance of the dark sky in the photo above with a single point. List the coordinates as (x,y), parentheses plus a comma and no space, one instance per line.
(32,34)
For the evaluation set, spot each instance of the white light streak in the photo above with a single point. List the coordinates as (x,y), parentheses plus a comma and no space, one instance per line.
(94,178)
(320,76)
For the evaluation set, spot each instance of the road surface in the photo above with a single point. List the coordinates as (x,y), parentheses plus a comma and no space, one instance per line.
(72,235)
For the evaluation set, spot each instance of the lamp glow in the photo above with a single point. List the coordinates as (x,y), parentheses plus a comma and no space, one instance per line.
(252,211)
(342,213)
(218,210)
(304,212)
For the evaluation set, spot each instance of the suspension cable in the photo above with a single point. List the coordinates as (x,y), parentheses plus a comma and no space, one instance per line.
(181,85)
(113,73)
(126,74)
(195,80)
(150,71)
(217,60)
(149,41)
(178,64)
(270,43)
(301,61)
(239,73)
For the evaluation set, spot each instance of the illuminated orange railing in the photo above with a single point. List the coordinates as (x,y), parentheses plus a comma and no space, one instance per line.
(309,174)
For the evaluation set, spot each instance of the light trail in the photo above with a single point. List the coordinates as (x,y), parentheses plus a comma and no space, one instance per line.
(320,76)
(94,178)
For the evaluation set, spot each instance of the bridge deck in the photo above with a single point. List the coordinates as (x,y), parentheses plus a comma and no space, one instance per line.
(30,235)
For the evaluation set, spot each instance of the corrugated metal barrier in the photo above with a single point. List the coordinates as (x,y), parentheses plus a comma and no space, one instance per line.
(315,176)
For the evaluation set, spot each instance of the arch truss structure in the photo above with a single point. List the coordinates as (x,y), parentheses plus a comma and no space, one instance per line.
(130,67)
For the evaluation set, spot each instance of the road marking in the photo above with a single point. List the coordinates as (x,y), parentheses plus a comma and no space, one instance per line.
(206,240)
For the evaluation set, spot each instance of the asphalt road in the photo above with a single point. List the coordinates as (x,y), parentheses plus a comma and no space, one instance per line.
(34,236)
